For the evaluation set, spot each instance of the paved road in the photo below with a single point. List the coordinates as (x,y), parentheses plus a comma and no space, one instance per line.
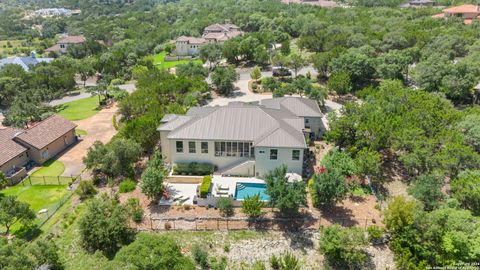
(129,87)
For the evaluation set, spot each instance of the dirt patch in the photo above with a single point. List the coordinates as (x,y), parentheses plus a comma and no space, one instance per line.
(99,128)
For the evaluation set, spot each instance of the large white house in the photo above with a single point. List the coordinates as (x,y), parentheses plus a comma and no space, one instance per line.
(240,139)
(215,33)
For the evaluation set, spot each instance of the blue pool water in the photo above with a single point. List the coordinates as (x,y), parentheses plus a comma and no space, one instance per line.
(244,190)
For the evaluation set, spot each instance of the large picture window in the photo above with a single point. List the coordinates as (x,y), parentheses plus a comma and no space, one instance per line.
(234,149)
(179,145)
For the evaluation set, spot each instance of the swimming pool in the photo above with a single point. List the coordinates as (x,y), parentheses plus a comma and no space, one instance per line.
(244,190)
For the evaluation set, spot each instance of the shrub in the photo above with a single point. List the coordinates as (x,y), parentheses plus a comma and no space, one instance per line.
(258,265)
(127,185)
(329,187)
(153,176)
(104,226)
(151,251)
(252,206)
(114,122)
(274,262)
(193,168)
(117,81)
(135,210)
(200,256)
(428,190)
(343,247)
(205,186)
(86,189)
(375,233)
(290,262)
(313,194)
(225,206)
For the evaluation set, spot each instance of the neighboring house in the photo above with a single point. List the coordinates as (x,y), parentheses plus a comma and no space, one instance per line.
(215,33)
(24,62)
(240,139)
(62,44)
(418,3)
(304,108)
(188,45)
(468,13)
(37,143)
(53,12)
(320,3)
(218,33)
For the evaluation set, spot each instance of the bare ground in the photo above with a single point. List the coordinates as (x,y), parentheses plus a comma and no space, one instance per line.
(99,128)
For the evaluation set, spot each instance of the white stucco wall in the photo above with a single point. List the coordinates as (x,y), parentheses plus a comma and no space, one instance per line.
(263,164)
(164,145)
(221,162)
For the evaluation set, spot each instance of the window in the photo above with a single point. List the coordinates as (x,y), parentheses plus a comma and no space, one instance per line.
(295,154)
(273,154)
(204,146)
(229,149)
(218,152)
(261,152)
(234,149)
(62,46)
(179,147)
(191,147)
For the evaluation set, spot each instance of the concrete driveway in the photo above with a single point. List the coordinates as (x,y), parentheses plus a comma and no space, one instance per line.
(99,128)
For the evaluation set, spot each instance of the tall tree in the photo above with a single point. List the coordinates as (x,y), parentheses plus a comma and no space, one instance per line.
(286,196)
(224,78)
(13,211)
(104,226)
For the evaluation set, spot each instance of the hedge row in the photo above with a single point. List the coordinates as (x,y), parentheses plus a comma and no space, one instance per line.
(205,186)
(193,168)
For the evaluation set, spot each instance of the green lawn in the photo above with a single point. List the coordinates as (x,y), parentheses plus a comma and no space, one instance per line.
(79,109)
(160,63)
(50,168)
(39,196)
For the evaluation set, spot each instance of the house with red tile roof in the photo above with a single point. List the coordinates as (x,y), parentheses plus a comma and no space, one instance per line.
(62,44)
(38,143)
(467,12)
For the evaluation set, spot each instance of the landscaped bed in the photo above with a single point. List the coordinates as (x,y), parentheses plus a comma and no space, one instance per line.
(79,109)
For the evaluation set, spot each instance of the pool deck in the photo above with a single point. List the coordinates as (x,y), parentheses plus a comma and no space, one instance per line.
(227,185)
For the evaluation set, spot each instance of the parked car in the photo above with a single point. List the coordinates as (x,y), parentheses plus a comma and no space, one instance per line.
(281,72)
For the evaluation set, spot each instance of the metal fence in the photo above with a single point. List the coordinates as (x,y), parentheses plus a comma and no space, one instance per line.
(48,212)
(232,223)
(48,180)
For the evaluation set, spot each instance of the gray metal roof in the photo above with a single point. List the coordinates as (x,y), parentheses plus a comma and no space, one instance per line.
(241,122)
(24,62)
(299,106)
(174,123)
